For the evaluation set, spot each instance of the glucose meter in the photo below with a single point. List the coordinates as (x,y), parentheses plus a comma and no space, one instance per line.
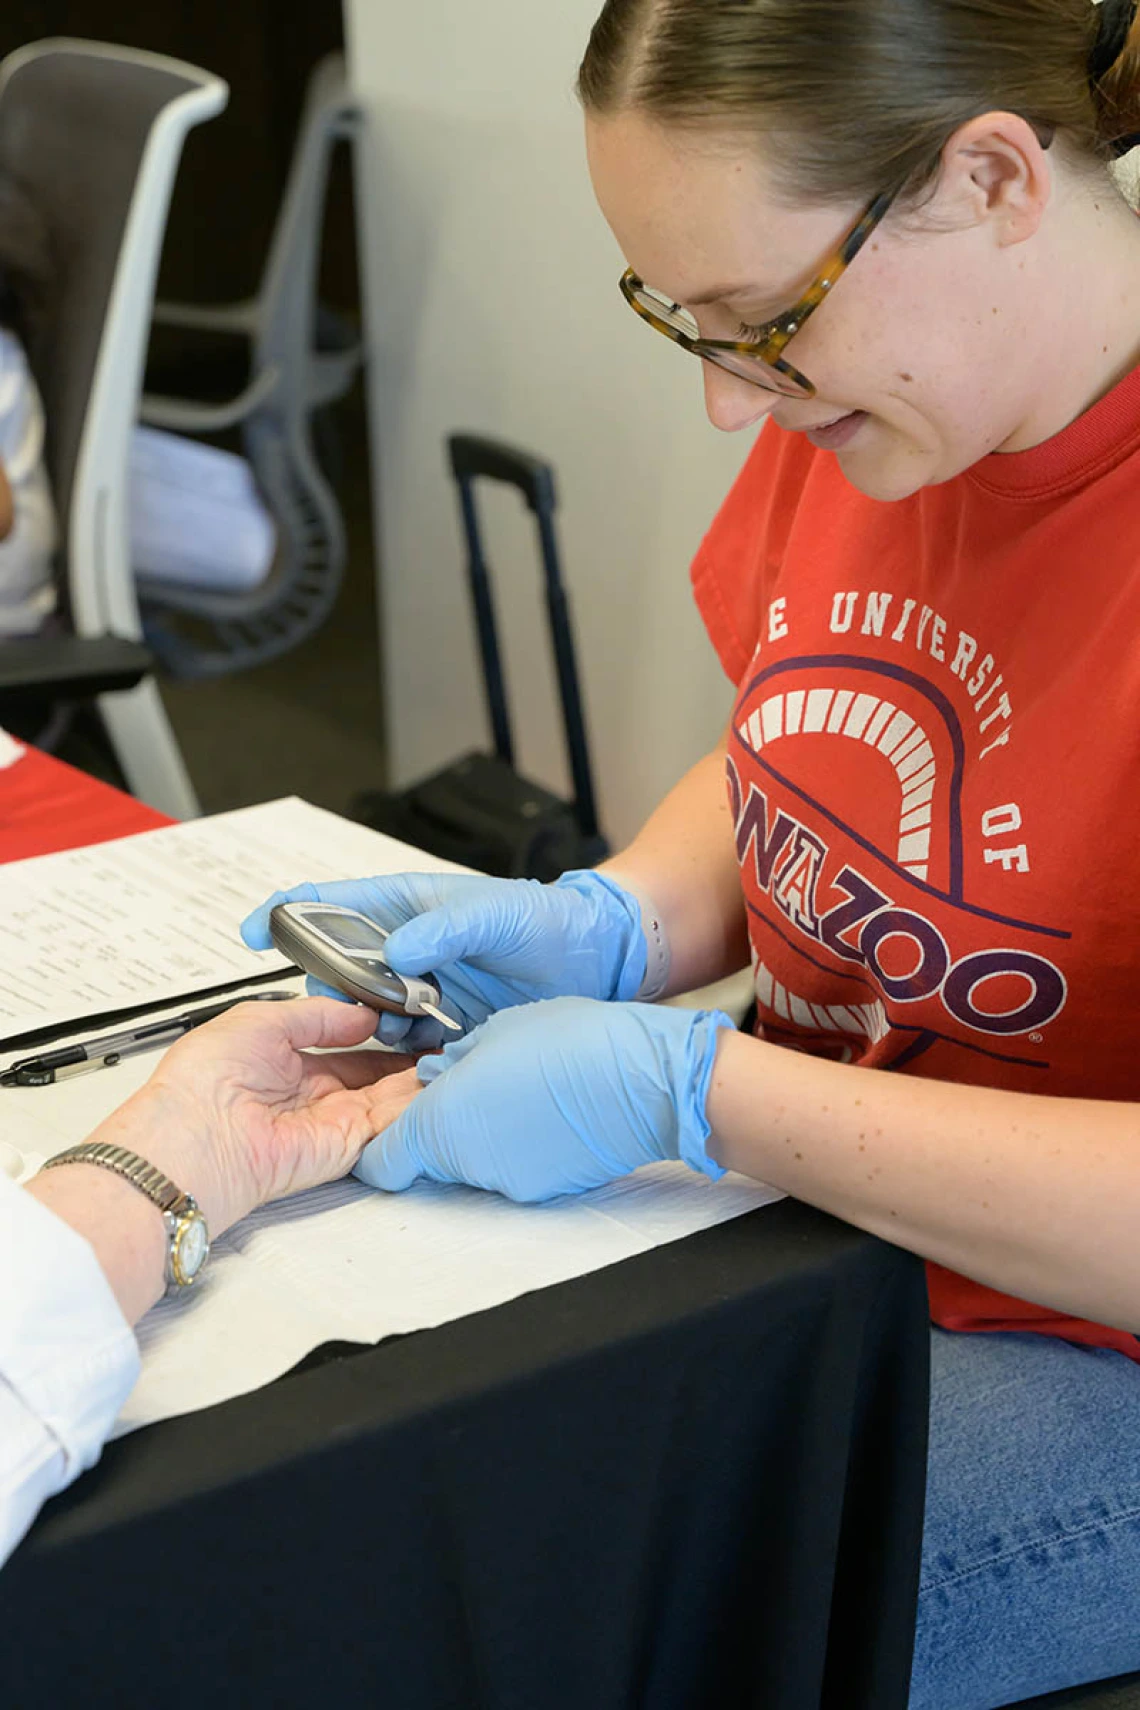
(344,949)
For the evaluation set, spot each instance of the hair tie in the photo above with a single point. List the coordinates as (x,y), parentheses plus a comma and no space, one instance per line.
(1114,26)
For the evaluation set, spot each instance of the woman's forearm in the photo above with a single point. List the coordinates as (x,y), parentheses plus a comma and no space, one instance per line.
(684,860)
(1038,1197)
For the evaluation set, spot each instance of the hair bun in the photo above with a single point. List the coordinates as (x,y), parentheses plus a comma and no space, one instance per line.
(1114,76)
(1115,19)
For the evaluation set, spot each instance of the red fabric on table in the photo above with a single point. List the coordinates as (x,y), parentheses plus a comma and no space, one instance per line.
(47,805)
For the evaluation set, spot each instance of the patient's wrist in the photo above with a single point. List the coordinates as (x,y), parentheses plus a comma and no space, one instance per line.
(122,1227)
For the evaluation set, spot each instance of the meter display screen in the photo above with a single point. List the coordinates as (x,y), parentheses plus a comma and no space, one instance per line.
(350,934)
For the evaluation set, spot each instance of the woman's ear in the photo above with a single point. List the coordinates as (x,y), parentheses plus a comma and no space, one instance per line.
(994,169)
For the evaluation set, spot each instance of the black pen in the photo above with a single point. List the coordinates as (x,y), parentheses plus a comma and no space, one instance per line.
(110,1048)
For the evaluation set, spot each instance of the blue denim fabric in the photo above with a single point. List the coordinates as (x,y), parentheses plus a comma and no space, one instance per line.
(1031,1555)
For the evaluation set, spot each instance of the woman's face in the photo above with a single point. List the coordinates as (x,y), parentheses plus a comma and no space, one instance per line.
(925,344)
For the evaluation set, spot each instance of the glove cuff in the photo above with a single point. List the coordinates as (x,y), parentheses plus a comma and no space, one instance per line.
(693,1125)
(643,965)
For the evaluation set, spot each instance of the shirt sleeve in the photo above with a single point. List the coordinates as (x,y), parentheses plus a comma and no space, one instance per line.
(739,559)
(68,1359)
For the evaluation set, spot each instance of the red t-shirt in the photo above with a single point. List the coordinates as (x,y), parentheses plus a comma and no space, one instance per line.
(933,771)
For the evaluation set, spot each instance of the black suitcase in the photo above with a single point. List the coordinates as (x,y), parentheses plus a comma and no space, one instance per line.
(478,810)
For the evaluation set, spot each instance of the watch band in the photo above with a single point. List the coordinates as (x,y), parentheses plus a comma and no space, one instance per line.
(179,1210)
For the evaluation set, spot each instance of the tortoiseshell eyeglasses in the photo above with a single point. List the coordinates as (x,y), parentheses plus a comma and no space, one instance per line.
(759,360)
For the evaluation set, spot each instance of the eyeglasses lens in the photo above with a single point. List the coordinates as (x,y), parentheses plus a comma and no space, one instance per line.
(671,313)
(750,368)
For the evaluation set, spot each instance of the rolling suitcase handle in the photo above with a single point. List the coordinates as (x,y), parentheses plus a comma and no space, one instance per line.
(471,457)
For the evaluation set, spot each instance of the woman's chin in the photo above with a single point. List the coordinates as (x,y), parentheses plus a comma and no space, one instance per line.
(886,467)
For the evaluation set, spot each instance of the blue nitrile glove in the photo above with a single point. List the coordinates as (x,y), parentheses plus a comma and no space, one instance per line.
(556,1098)
(490,943)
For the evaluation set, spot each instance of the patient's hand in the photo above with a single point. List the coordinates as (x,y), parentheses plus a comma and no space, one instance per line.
(244,1110)
(262,1102)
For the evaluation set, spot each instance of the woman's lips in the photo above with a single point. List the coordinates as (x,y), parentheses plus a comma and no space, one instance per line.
(838,433)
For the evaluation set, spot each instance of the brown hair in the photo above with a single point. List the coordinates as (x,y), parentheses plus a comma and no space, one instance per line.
(855,97)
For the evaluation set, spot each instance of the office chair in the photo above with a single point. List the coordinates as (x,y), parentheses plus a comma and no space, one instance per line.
(207,632)
(92,134)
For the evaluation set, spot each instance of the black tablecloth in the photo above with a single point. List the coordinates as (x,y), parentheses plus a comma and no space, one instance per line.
(692,1479)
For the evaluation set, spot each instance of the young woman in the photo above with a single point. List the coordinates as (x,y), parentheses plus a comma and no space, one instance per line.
(889,230)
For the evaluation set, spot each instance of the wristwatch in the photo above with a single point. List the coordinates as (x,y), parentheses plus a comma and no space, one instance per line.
(185,1226)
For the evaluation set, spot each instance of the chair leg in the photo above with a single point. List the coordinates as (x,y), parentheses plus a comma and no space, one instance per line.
(147,751)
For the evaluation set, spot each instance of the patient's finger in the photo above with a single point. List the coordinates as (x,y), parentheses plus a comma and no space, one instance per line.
(362,1068)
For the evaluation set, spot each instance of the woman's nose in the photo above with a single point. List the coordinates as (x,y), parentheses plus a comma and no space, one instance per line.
(733,403)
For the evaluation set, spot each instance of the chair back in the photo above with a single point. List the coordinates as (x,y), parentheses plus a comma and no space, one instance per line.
(287,298)
(92,134)
(201,632)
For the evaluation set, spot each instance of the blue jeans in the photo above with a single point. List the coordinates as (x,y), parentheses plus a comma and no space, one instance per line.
(1031,1554)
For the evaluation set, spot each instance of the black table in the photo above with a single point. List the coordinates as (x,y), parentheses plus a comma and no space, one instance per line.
(692,1479)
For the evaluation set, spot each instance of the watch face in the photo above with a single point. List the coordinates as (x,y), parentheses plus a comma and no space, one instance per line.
(191,1248)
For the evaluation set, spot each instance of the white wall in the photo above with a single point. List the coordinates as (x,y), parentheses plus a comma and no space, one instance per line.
(492,305)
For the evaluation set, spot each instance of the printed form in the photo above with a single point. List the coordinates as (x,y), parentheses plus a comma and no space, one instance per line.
(155,916)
